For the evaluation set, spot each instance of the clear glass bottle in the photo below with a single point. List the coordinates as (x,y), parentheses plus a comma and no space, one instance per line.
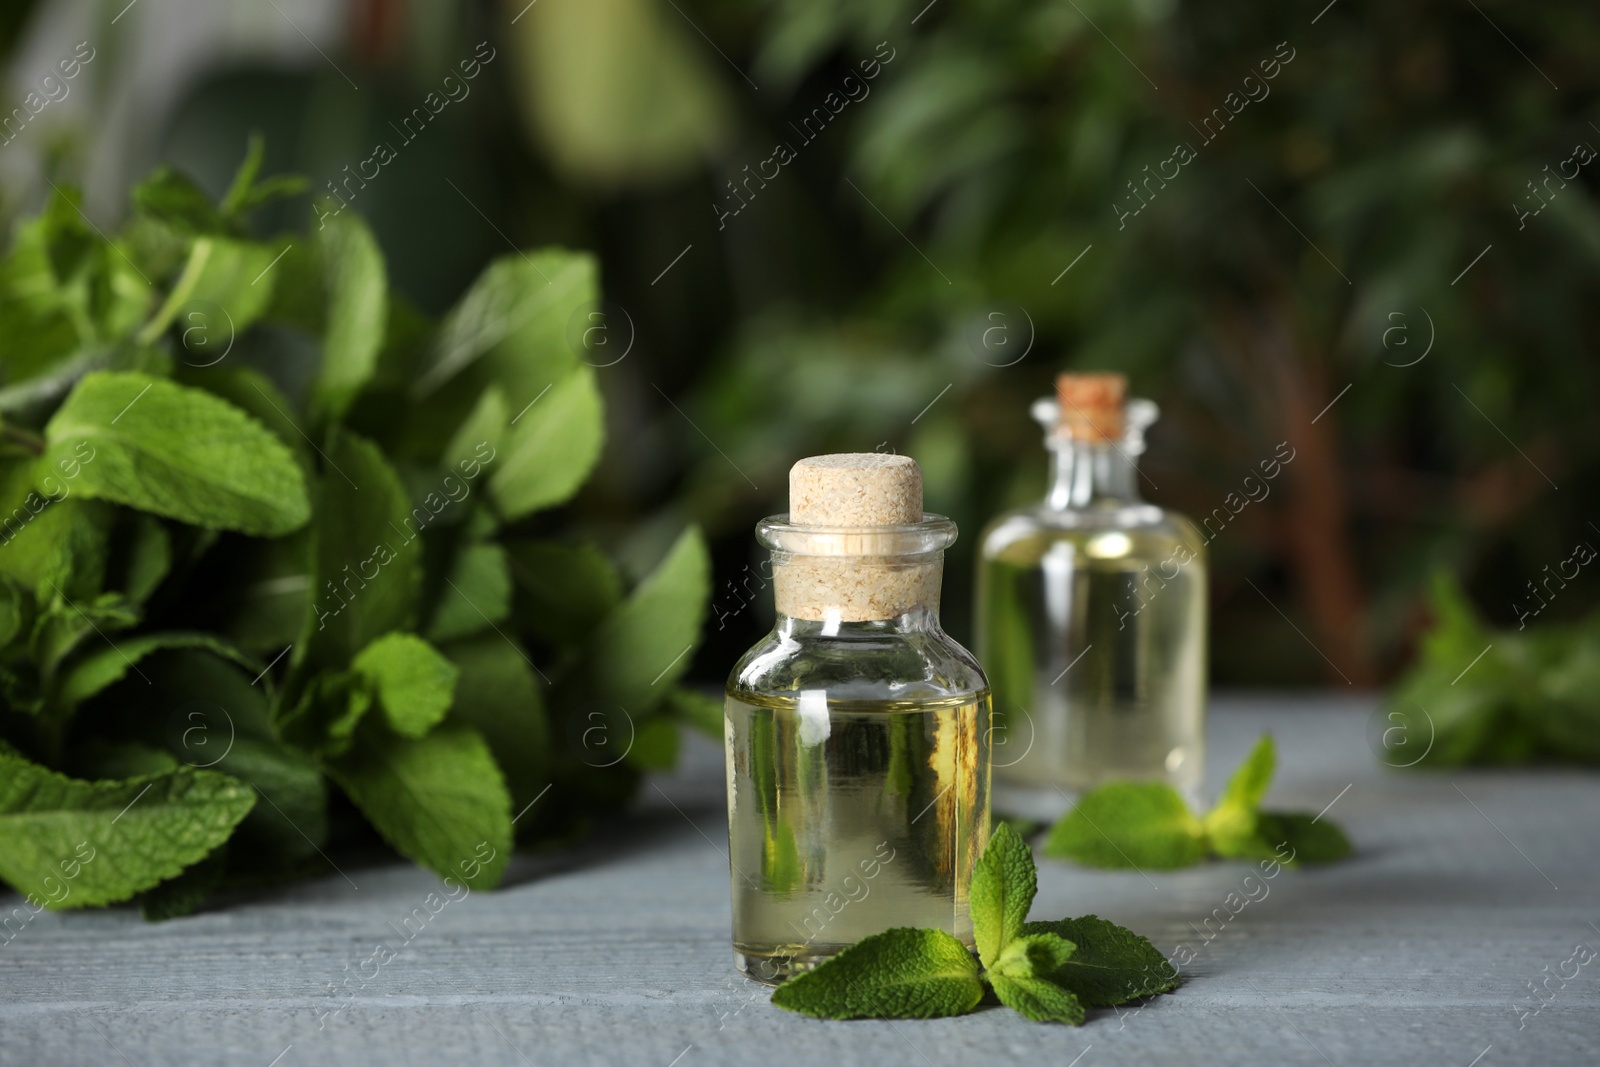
(857,749)
(1092,616)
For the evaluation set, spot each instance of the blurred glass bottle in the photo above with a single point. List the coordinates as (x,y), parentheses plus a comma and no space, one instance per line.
(1092,616)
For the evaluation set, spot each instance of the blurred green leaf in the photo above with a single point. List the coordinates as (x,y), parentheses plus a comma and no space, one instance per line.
(142,557)
(99,759)
(643,647)
(617,92)
(1482,697)
(357,295)
(366,564)
(104,667)
(175,200)
(702,712)
(50,543)
(499,696)
(1231,824)
(225,289)
(1310,840)
(413,681)
(322,721)
(476,594)
(440,800)
(515,319)
(564,590)
(177,452)
(655,744)
(183,895)
(249,191)
(1129,824)
(550,453)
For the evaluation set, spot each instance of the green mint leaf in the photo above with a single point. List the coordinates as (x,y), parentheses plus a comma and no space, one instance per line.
(255,394)
(1032,954)
(98,758)
(172,198)
(1004,882)
(367,567)
(323,720)
(266,608)
(226,286)
(246,193)
(38,329)
(178,452)
(515,319)
(183,895)
(275,187)
(499,695)
(62,626)
(546,456)
(702,712)
(485,424)
(222,723)
(643,647)
(898,974)
(357,312)
(299,292)
(563,590)
(1129,824)
(141,556)
(655,744)
(1232,823)
(1250,781)
(276,836)
(13,605)
(1302,837)
(1111,964)
(1506,715)
(73,843)
(245,177)
(414,682)
(476,596)
(439,800)
(105,666)
(1038,999)
(51,548)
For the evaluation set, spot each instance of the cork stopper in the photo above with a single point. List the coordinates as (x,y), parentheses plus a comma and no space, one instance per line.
(855,489)
(831,565)
(1090,406)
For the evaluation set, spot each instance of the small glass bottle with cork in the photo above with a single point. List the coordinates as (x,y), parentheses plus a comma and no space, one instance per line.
(857,731)
(1091,615)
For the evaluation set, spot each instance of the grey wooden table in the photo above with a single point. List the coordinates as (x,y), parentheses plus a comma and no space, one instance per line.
(1466,887)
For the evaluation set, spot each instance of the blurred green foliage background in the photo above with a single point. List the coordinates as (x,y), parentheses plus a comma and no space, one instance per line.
(1313,223)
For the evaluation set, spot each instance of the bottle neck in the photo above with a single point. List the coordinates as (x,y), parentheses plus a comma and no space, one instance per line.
(923,619)
(1083,474)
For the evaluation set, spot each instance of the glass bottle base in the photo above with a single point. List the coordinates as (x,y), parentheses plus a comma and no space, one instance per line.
(775,970)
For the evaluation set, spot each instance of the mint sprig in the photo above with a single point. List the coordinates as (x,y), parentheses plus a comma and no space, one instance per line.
(1148,825)
(1039,970)
(227,593)
(902,973)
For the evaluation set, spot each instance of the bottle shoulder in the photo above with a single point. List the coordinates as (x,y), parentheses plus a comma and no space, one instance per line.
(1152,530)
(909,666)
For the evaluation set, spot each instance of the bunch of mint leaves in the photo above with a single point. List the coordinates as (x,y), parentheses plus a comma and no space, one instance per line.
(1046,971)
(1482,697)
(1148,825)
(270,536)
